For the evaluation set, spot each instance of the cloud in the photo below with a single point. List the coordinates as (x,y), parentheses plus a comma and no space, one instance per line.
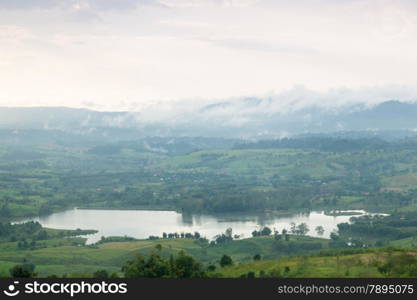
(30,4)
(240,111)
(119,4)
(74,4)
(11,32)
(260,45)
(205,3)
(164,51)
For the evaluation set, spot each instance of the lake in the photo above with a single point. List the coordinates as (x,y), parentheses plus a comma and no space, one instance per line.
(143,223)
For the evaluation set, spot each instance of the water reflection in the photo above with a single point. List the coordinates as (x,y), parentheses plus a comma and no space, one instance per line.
(188,219)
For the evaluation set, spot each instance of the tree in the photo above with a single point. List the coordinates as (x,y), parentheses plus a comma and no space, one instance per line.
(224,237)
(385,269)
(185,266)
(319,230)
(285,235)
(293,228)
(225,261)
(266,231)
(101,274)
(23,271)
(302,229)
(257,257)
(334,236)
(250,275)
(152,267)
(229,233)
(42,235)
(189,235)
(155,266)
(211,268)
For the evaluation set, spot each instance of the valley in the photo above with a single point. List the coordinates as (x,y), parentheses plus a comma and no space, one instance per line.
(153,187)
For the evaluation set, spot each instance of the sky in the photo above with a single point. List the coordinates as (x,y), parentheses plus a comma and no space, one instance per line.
(150,54)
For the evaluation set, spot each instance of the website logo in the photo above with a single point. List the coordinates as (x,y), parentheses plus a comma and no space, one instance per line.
(12,290)
(69,288)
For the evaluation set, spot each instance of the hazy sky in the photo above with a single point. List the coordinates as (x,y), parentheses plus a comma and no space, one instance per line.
(129,54)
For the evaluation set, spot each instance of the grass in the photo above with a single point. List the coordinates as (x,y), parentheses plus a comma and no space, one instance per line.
(68,258)
(410,242)
(364,265)
(405,181)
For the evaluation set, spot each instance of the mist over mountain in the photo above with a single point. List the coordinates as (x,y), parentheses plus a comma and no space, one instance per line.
(246,118)
(61,118)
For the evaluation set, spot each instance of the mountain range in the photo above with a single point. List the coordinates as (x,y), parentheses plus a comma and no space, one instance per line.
(248,118)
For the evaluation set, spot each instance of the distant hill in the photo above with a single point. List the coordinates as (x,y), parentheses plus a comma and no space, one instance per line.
(62,118)
(245,118)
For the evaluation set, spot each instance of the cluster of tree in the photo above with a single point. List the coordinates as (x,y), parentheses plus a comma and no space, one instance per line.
(20,231)
(23,271)
(225,237)
(390,199)
(331,144)
(187,235)
(275,273)
(283,236)
(31,235)
(300,229)
(112,239)
(400,265)
(225,261)
(104,274)
(265,231)
(166,145)
(379,228)
(23,245)
(156,266)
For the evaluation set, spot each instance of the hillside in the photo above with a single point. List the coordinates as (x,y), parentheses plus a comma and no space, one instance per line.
(338,264)
(69,256)
(240,118)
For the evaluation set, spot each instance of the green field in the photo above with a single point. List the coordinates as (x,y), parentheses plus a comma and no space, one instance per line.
(125,175)
(204,175)
(62,257)
(71,260)
(364,265)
